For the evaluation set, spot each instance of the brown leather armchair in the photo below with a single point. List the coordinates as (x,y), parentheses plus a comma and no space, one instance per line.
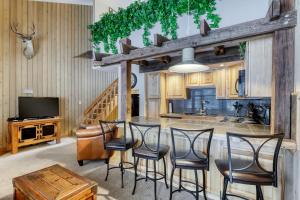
(90,144)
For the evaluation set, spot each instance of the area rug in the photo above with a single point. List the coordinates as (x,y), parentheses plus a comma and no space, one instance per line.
(33,158)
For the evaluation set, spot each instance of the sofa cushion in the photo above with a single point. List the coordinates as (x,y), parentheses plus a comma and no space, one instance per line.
(83,133)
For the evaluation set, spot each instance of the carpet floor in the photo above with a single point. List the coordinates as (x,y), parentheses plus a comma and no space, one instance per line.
(36,157)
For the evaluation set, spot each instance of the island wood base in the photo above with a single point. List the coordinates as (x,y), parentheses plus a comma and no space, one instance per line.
(29,132)
(214,180)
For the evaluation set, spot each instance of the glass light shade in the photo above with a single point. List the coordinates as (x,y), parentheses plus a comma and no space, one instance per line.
(188,64)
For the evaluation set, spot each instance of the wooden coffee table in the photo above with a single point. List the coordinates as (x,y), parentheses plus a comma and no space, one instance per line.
(54,182)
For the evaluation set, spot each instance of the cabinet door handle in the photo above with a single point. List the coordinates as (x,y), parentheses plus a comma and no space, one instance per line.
(235,85)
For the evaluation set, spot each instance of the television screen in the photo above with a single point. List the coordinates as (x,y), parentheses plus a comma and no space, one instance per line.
(38,107)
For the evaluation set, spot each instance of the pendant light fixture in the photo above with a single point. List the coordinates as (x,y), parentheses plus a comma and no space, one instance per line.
(188,64)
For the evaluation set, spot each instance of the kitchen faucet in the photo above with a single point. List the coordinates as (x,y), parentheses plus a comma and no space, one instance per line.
(203,109)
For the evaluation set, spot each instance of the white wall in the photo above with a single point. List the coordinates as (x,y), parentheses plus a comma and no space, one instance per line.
(80,2)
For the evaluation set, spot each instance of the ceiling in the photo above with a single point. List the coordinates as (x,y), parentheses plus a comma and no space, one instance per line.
(81,2)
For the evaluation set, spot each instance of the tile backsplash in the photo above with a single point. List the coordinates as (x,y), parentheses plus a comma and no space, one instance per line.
(214,106)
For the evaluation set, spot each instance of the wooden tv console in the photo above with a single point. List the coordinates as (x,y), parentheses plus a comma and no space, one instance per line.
(29,132)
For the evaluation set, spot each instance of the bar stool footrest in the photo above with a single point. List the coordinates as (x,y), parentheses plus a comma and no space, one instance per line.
(150,178)
(193,192)
(237,196)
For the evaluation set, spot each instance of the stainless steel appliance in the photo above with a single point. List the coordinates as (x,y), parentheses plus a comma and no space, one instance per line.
(240,83)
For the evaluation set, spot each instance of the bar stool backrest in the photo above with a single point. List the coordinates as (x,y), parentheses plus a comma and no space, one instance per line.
(255,143)
(109,128)
(198,143)
(147,135)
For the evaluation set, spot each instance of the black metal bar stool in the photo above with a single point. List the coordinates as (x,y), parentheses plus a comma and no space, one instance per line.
(191,157)
(111,143)
(148,148)
(249,171)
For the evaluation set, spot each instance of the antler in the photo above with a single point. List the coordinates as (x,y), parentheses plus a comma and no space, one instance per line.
(33,30)
(15,30)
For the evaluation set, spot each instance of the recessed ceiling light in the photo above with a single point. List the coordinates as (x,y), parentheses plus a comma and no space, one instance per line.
(222,65)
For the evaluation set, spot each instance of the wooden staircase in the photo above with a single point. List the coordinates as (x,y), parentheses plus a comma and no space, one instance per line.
(105,106)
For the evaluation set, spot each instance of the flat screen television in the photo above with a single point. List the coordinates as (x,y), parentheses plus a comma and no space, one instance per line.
(38,107)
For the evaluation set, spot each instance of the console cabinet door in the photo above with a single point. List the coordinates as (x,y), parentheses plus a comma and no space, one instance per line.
(175,86)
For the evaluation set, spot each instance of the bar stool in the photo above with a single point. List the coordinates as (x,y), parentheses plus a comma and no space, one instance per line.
(148,148)
(190,158)
(249,171)
(110,143)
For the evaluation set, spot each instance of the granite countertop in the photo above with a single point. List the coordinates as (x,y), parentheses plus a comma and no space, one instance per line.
(220,128)
(203,122)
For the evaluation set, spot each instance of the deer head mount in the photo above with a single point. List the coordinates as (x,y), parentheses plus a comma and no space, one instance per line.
(28,50)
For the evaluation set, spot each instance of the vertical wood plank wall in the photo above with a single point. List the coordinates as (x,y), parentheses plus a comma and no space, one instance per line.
(61,34)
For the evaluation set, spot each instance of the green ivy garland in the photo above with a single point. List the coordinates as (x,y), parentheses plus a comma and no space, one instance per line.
(242,49)
(145,14)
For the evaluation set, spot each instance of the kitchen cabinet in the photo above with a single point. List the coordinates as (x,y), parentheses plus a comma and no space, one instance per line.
(233,76)
(153,85)
(153,108)
(199,79)
(206,78)
(220,82)
(175,86)
(155,94)
(258,63)
(226,81)
(193,79)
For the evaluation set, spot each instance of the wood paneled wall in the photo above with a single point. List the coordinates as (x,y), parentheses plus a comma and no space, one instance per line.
(61,34)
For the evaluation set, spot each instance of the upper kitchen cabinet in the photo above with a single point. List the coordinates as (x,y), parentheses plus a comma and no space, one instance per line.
(193,80)
(220,82)
(233,79)
(226,80)
(153,85)
(200,79)
(207,78)
(155,103)
(258,63)
(175,86)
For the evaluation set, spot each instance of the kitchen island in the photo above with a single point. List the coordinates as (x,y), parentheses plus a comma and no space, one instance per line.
(219,151)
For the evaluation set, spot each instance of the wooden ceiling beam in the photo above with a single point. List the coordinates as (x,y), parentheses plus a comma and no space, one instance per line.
(159,40)
(209,57)
(125,46)
(274,11)
(216,37)
(204,28)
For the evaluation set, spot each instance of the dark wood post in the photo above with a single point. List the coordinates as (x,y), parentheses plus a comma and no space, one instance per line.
(124,91)
(283,75)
